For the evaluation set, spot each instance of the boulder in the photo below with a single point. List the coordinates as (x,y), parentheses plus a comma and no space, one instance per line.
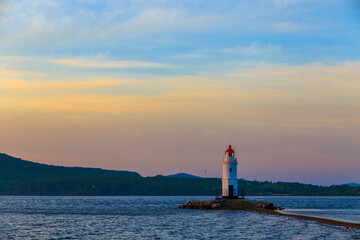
(216,205)
(205,205)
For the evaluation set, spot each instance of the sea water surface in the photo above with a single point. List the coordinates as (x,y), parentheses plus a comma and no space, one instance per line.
(159,218)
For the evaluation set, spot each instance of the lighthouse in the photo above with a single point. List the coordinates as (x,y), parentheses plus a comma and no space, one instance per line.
(229,180)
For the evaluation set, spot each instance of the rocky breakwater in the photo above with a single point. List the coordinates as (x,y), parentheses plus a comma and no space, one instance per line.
(230,204)
(260,207)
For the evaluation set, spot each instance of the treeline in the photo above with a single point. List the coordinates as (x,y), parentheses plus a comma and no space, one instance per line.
(112,186)
(162,186)
(266,188)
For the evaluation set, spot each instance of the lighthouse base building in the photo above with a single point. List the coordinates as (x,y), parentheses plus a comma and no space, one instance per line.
(229,180)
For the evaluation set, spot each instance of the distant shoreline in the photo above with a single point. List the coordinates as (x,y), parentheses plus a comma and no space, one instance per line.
(37,195)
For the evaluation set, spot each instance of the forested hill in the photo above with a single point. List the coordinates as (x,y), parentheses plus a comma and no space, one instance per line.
(16,169)
(19,177)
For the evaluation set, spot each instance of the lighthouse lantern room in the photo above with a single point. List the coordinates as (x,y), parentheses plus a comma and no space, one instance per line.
(229,180)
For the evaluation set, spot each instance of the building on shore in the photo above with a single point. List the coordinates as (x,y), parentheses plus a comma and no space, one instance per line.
(229,179)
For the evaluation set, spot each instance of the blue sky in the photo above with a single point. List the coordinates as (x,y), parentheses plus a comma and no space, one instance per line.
(277,78)
(190,36)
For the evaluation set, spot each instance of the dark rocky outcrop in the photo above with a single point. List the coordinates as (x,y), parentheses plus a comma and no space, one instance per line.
(230,204)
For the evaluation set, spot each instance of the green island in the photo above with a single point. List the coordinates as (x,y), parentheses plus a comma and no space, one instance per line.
(20,177)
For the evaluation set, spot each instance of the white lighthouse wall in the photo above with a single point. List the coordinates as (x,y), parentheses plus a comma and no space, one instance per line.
(229,176)
(230,170)
(225,187)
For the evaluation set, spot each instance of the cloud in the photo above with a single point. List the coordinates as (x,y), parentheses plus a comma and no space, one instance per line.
(43,87)
(30,24)
(40,24)
(275,85)
(155,20)
(6,73)
(92,62)
(189,56)
(285,2)
(293,27)
(314,82)
(253,48)
(284,110)
(100,63)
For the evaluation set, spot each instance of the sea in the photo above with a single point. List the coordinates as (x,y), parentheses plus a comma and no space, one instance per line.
(138,217)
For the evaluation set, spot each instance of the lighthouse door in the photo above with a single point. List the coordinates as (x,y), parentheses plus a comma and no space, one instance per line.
(231,191)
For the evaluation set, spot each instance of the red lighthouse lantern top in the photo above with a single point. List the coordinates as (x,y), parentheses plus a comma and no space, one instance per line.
(229,150)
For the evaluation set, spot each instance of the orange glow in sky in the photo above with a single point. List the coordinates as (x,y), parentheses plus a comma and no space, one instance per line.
(138,92)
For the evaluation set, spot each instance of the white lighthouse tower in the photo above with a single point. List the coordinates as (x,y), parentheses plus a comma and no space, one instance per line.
(229,180)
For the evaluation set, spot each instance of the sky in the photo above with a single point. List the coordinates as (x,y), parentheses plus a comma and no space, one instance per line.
(158,86)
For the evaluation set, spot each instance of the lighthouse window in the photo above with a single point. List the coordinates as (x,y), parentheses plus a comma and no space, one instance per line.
(230,169)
